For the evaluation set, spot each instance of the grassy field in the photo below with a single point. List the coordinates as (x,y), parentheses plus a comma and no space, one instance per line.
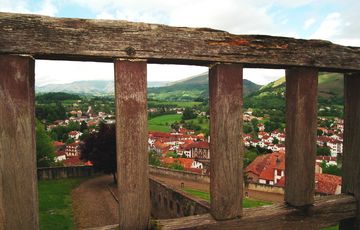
(55,204)
(162,123)
(247,203)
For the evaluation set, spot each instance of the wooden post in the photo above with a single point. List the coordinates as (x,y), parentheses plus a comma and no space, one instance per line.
(226,148)
(301,125)
(18,181)
(131,144)
(351,160)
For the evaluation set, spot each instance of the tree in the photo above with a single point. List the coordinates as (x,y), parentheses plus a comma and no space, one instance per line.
(154,158)
(323,151)
(330,169)
(247,128)
(176,165)
(275,141)
(100,149)
(171,154)
(188,114)
(45,150)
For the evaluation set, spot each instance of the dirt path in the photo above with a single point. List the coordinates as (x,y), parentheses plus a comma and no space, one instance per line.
(93,204)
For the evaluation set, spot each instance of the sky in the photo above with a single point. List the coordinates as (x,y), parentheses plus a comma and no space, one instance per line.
(333,20)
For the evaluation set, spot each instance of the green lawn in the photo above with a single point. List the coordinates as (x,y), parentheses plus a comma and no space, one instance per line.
(162,123)
(55,203)
(247,203)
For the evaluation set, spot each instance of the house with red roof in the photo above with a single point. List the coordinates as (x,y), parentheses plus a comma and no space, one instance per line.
(74,135)
(261,127)
(200,150)
(267,168)
(325,184)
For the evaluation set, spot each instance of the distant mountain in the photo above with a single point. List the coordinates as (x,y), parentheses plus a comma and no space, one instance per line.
(152,84)
(188,89)
(192,88)
(98,87)
(272,95)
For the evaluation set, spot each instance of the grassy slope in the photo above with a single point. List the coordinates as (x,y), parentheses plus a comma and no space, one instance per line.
(247,203)
(55,204)
(191,88)
(162,123)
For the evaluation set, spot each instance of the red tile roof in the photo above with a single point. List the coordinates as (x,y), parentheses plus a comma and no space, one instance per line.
(73,161)
(58,143)
(265,165)
(185,162)
(200,145)
(324,183)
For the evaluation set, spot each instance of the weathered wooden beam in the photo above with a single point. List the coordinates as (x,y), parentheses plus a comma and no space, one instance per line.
(131,144)
(326,211)
(226,150)
(18,181)
(301,125)
(103,40)
(351,159)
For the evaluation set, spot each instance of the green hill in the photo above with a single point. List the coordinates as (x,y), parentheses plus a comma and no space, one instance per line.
(191,88)
(272,95)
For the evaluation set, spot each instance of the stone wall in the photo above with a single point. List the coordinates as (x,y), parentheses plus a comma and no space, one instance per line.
(179,174)
(266,188)
(52,173)
(167,202)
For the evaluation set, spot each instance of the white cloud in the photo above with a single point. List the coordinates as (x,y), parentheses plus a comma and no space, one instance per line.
(309,23)
(263,76)
(105,15)
(45,7)
(48,72)
(330,27)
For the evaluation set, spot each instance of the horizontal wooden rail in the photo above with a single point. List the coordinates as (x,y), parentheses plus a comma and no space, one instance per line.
(325,212)
(103,40)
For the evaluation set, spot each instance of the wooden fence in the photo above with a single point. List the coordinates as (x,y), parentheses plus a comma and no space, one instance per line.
(131,46)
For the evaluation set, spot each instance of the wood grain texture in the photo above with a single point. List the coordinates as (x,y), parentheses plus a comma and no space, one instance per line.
(351,159)
(301,125)
(103,40)
(226,149)
(18,181)
(131,146)
(326,211)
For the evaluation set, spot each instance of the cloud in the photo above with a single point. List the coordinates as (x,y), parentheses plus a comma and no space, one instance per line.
(105,15)
(49,72)
(44,7)
(263,76)
(329,27)
(309,22)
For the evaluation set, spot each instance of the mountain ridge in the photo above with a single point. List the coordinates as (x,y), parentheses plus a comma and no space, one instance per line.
(190,88)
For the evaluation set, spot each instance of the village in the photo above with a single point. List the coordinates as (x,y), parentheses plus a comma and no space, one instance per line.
(185,149)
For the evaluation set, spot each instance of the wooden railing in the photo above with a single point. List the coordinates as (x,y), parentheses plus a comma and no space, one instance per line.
(131,46)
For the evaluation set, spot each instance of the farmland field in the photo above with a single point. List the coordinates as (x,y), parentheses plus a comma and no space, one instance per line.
(162,123)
